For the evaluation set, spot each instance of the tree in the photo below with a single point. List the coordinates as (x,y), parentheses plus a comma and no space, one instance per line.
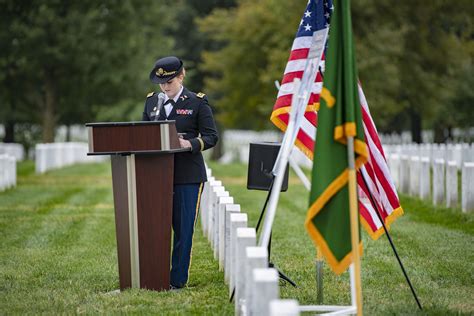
(189,42)
(412,55)
(256,37)
(71,58)
(410,58)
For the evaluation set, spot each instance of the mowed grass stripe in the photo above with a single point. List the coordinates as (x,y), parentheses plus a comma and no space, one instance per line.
(63,257)
(58,258)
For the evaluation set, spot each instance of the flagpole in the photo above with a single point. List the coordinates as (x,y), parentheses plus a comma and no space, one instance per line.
(354,213)
(390,240)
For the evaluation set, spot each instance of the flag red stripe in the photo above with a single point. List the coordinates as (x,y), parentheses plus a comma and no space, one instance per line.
(312,117)
(372,131)
(364,212)
(290,76)
(301,53)
(383,181)
(376,195)
(283,101)
(378,164)
(306,140)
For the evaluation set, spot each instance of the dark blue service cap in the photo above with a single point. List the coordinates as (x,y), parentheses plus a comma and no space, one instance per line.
(166,69)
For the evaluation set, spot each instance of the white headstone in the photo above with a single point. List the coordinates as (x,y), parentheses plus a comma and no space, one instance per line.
(404,174)
(414,175)
(69,158)
(215,222)
(265,288)
(212,201)
(442,151)
(14,172)
(40,158)
(11,170)
(202,205)
(237,220)
(425,151)
(256,257)
(3,172)
(220,218)
(438,182)
(14,150)
(467,187)
(284,308)
(457,153)
(58,155)
(230,209)
(205,202)
(246,237)
(208,172)
(394,167)
(451,184)
(467,154)
(425,178)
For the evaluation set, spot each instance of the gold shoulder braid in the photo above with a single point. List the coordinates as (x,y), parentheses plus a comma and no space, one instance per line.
(150,94)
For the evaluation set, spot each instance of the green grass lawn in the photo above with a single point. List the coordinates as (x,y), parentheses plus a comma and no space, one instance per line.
(58,252)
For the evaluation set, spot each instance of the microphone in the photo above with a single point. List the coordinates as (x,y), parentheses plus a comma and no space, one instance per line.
(159,104)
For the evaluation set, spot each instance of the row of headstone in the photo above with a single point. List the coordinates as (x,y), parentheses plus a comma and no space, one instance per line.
(236,143)
(459,153)
(13,149)
(394,138)
(236,146)
(7,172)
(57,155)
(412,175)
(245,266)
(427,136)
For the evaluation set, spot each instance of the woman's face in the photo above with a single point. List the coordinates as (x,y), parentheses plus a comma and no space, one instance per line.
(172,87)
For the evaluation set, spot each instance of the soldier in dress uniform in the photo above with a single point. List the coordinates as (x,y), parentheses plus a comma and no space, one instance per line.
(195,123)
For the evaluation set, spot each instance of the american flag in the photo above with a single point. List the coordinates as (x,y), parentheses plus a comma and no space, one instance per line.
(315,18)
(376,173)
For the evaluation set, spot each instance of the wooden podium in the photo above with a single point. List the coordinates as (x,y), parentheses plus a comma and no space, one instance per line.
(142,157)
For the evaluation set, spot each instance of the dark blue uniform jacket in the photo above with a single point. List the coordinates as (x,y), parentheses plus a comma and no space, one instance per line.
(193,116)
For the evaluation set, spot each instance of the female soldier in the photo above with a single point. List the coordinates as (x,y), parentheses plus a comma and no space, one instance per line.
(194,121)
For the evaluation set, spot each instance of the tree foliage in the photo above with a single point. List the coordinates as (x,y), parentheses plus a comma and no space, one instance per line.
(77,61)
(256,38)
(189,42)
(413,57)
(63,60)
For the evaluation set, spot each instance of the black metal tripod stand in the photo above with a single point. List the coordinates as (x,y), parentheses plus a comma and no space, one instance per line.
(270,264)
(281,275)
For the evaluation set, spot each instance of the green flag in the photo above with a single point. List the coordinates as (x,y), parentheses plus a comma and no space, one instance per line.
(339,116)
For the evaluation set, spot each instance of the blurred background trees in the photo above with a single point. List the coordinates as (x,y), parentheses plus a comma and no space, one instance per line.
(79,61)
(68,62)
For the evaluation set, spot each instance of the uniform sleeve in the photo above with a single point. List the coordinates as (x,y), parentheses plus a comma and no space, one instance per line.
(207,129)
(145,116)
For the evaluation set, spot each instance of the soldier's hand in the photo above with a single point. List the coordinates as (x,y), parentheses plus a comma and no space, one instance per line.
(184,143)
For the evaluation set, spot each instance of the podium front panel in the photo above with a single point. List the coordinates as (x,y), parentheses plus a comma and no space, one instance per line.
(143,198)
(119,179)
